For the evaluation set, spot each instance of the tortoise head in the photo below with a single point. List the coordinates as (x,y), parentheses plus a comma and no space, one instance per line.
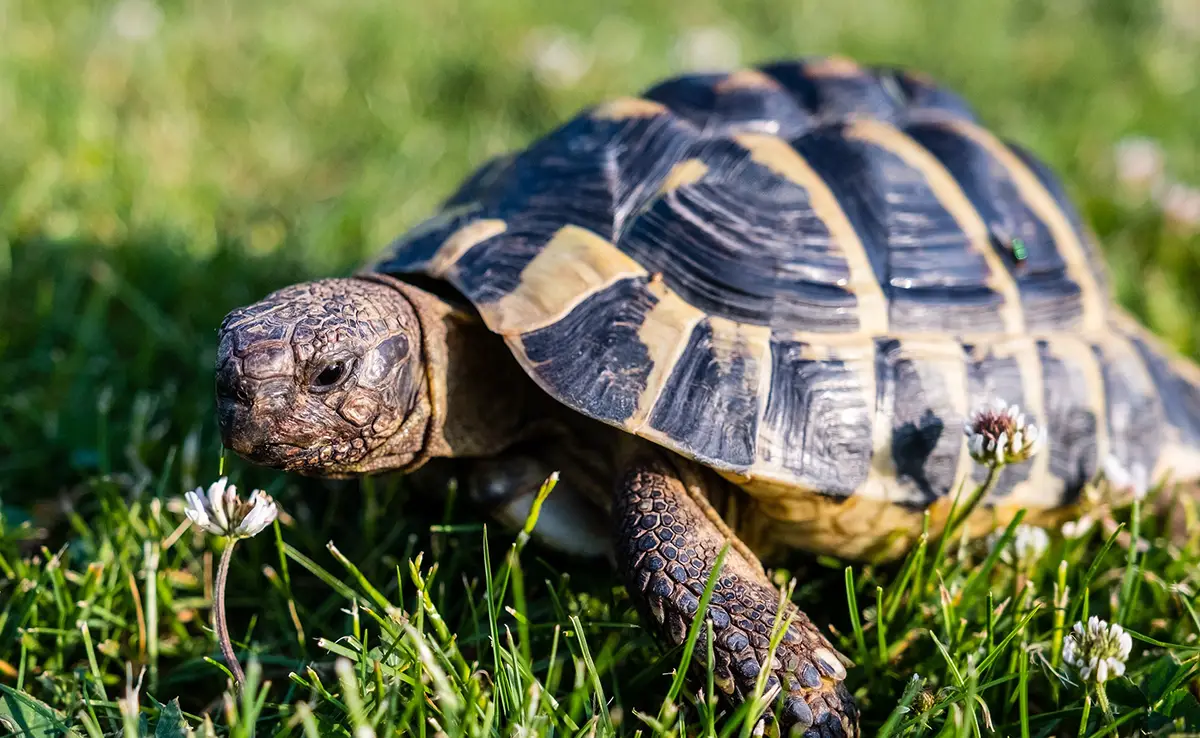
(325,378)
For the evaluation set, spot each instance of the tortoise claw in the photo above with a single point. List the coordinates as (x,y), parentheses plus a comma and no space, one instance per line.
(667,543)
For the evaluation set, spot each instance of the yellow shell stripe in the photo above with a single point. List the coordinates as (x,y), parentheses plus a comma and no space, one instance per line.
(881,476)
(948,192)
(626,108)
(668,326)
(775,154)
(438,221)
(665,333)
(462,241)
(1044,206)
(766,377)
(684,173)
(832,66)
(573,265)
(746,79)
(955,376)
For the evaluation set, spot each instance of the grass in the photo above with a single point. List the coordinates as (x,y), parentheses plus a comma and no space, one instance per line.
(161,164)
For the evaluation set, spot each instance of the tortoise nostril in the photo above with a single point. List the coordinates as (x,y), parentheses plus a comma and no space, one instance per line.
(231,385)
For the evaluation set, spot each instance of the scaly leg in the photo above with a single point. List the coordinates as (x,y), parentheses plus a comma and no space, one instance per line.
(667,540)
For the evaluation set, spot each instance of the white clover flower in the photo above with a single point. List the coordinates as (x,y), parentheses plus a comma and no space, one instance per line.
(1098,651)
(1182,17)
(558,57)
(1027,545)
(998,434)
(710,48)
(136,20)
(1180,204)
(222,513)
(1139,162)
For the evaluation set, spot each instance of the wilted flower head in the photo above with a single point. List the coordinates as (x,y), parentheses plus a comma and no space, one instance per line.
(925,700)
(1027,545)
(1097,651)
(997,434)
(222,513)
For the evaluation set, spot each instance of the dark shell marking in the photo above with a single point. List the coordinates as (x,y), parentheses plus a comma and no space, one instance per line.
(806,275)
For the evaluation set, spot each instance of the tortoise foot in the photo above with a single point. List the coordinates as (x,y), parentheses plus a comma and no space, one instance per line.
(667,541)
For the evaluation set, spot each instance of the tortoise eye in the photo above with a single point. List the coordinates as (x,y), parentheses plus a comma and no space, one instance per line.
(330,376)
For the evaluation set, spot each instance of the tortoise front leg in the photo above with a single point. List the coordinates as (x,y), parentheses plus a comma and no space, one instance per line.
(667,540)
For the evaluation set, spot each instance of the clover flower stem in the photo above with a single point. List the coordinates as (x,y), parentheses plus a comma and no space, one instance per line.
(1131,560)
(973,501)
(1102,698)
(1061,600)
(219,621)
(1083,719)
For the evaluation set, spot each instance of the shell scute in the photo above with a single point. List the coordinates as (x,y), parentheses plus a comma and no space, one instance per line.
(709,404)
(1073,405)
(600,332)
(819,415)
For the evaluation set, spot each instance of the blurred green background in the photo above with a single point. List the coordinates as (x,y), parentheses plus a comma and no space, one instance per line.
(164,161)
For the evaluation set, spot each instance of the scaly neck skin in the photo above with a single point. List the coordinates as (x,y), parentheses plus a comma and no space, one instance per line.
(476,400)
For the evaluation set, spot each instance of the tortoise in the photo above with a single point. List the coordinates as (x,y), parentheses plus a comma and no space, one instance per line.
(751,308)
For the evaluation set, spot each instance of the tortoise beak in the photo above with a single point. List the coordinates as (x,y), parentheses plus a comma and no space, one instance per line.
(237,432)
(254,392)
(250,429)
(240,412)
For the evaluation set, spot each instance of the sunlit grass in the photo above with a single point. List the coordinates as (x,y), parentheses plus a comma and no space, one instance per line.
(469,633)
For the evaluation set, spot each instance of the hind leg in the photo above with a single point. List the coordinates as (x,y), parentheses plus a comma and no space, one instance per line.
(568,521)
(667,540)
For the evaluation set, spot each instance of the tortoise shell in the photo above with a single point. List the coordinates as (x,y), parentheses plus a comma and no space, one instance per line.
(806,275)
